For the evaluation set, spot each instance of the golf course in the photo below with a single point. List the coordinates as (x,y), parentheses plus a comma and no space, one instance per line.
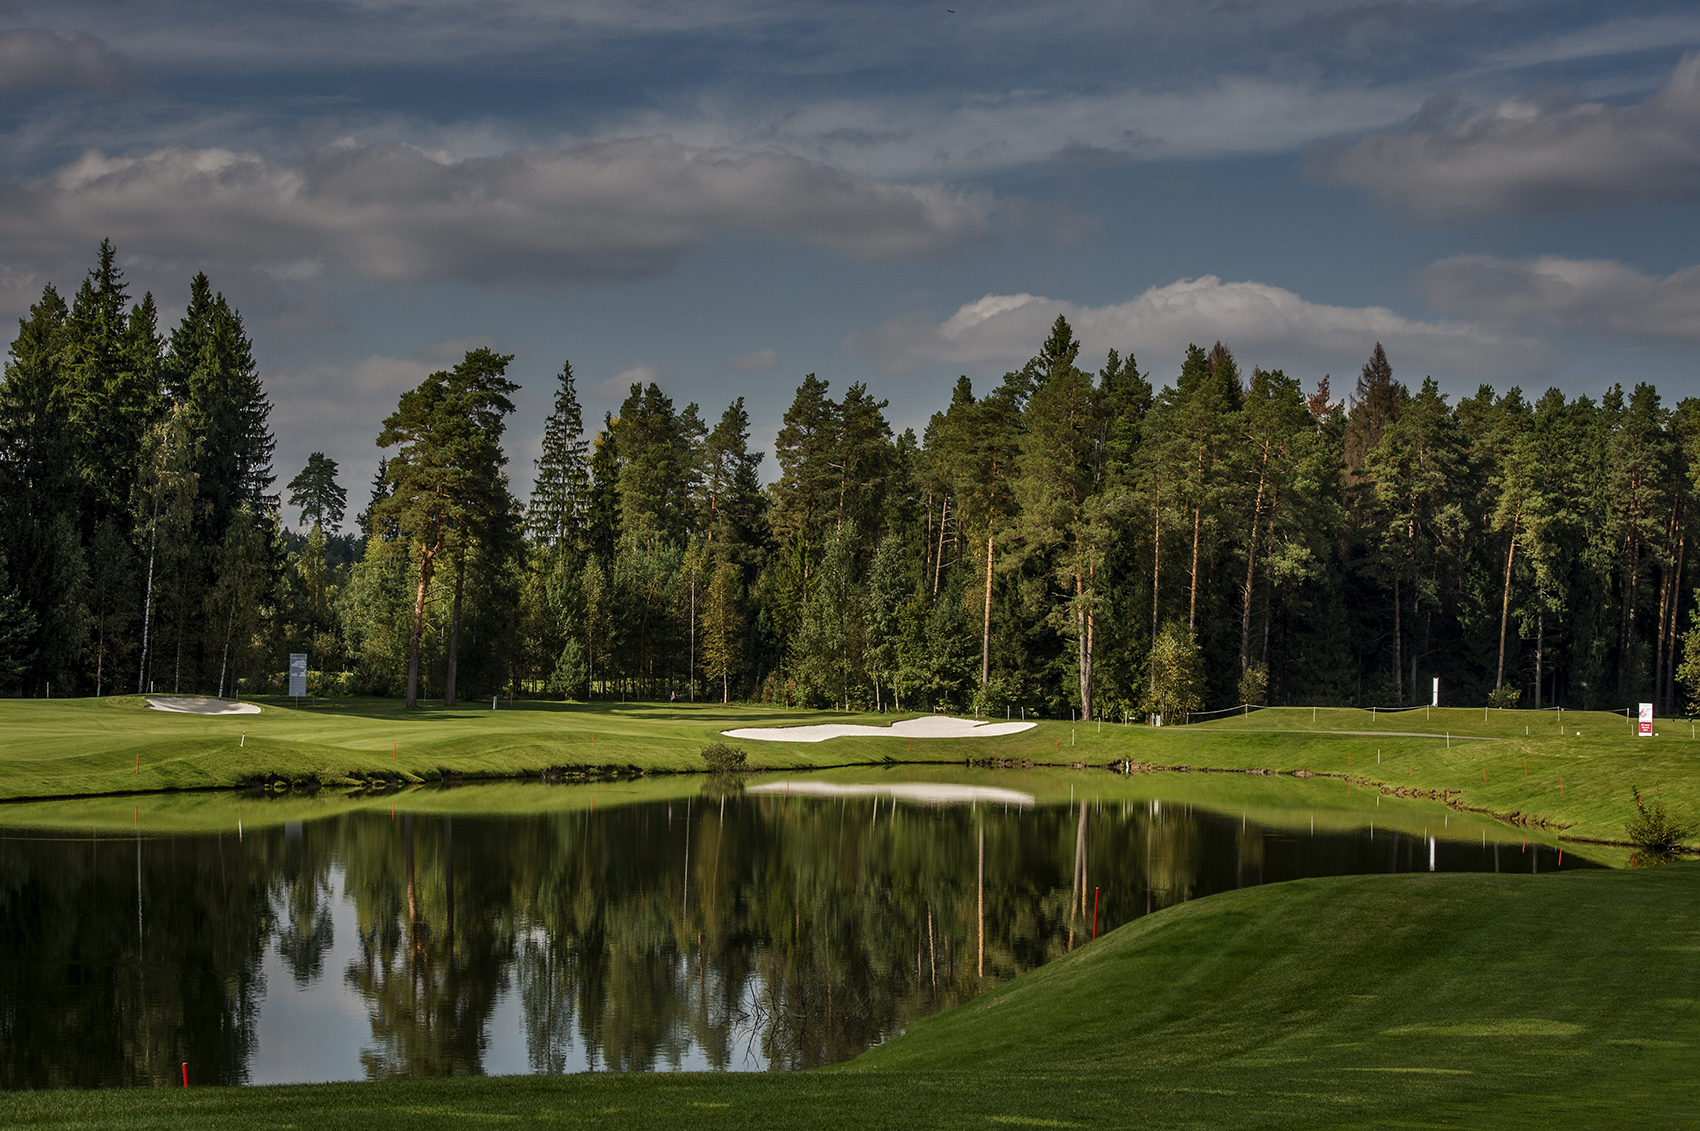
(1411,1000)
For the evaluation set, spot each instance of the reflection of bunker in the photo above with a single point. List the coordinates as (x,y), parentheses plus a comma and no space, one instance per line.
(920,793)
(927,726)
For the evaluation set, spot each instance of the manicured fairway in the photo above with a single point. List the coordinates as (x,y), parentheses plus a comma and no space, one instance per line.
(1412,1001)
(1515,764)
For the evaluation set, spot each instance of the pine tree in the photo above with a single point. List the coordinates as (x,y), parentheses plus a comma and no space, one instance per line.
(316,492)
(448,489)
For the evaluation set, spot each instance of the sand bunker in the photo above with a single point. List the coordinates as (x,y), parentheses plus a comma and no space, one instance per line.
(189,705)
(917,793)
(928,726)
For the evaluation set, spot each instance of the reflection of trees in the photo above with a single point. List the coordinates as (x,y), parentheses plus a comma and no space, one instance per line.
(430,994)
(795,931)
(300,897)
(121,959)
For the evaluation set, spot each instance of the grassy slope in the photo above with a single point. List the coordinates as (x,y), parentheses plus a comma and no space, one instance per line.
(86,747)
(1415,1001)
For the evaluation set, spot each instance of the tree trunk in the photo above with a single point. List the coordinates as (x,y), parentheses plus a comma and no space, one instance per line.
(1192,605)
(147,604)
(1250,568)
(1398,655)
(224,661)
(426,568)
(1505,604)
(938,562)
(1540,645)
(1626,624)
(1083,622)
(1156,575)
(1659,636)
(1670,631)
(454,632)
(986,624)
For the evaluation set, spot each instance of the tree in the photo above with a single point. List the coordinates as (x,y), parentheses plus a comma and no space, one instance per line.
(733,506)
(1066,500)
(168,499)
(723,628)
(807,492)
(112,601)
(1177,666)
(235,599)
(447,489)
(316,492)
(560,497)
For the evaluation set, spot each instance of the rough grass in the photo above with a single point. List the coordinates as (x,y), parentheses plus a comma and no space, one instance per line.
(1410,1001)
(86,747)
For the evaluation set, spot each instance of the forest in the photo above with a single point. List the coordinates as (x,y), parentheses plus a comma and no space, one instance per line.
(1063,540)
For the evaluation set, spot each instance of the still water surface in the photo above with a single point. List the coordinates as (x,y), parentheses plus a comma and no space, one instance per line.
(783,926)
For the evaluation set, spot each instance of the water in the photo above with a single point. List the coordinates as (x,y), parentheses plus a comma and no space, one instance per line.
(675,925)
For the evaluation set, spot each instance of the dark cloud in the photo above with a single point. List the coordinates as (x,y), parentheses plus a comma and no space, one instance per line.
(31,59)
(1543,152)
(613,210)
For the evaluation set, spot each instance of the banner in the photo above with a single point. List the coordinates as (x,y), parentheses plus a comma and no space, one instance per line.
(298,674)
(1646,720)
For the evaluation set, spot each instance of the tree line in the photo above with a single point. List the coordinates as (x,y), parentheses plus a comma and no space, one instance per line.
(1065,540)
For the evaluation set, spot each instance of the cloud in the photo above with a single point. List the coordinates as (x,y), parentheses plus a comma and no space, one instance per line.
(1537,153)
(1264,325)
(619,386)
(1552,293)
(31,59)
(609,210)
(758,362)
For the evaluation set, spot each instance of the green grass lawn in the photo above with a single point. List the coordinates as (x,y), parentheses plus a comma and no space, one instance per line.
(1514,764)
(1369,1001)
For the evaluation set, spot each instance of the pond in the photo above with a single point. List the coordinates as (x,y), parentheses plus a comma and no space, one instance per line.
(680,923)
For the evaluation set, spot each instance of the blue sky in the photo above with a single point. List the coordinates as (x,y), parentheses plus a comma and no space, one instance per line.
(725,195)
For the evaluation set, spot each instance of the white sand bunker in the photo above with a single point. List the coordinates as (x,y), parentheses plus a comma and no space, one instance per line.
(190,705)
(918,793)
(927,726)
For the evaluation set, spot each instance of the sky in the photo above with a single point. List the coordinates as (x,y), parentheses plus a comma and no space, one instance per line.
(725,195)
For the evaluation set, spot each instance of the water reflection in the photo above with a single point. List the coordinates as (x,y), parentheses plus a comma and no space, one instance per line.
(729,930)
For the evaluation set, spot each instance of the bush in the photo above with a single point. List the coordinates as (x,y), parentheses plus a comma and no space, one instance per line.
(1505,698)
(723,759)
(1656,837)
(1254,683)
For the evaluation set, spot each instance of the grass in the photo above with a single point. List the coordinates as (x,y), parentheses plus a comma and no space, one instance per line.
(1410,1001)
(1512,764)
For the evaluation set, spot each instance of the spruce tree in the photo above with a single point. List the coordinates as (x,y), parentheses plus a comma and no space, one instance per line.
(560,498)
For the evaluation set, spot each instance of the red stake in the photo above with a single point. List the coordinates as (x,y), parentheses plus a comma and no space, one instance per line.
(138,761)
(1094,913)
(185,1074)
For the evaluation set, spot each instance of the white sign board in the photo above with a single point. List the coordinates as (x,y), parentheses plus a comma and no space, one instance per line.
(1436,701)
(1646,720)
(298,674)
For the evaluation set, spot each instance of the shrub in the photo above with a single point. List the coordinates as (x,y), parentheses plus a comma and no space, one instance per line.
(1505,698)
(1254,683)
(1656,837)
(723,759)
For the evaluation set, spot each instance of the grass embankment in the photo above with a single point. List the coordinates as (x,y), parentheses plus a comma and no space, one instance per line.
(1369,1001)
(1514,764)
